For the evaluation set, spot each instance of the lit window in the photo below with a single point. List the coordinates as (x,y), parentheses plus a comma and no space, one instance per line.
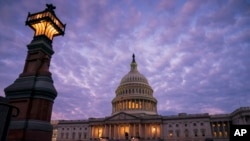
(225,133)
(154,131)
(220,133)
(170,134)
(215,134)
(100,132)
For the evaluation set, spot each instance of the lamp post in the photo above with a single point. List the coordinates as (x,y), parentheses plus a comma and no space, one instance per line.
(33,91)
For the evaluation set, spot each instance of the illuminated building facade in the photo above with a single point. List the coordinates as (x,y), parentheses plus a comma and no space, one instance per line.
(134,117)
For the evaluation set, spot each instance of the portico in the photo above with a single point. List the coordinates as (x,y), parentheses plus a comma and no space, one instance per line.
(126,131)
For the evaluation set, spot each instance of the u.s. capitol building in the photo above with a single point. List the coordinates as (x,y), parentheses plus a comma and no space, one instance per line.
(134,117)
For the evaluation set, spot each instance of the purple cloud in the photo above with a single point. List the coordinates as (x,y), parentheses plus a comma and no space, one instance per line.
(194,54)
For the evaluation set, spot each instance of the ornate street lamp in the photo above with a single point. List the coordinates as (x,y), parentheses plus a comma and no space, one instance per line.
(46,23)
(33,92)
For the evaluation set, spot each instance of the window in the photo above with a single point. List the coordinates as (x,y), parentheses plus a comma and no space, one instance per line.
(62,134)
(67,135)
(203,132)
(195,132)
(225,133)
(170,125)
(73,135)
(177,125)
(185,125)
(177,133)
(85,135)
(194,124)
(170,133)
(220,134)
(79,135)
(215,134)
(186,132)
(201,124)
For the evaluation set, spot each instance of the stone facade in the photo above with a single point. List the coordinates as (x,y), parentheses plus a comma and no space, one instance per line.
(134,117)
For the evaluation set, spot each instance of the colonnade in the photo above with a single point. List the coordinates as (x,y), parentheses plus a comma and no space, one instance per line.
(123,131)
(145,90)
(134,104)
(220,129)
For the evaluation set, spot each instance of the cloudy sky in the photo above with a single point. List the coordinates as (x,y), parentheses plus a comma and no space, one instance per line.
(195,54)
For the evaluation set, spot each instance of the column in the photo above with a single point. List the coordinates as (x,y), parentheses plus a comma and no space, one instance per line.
(223,128)
(129,130)
(93,132)
(161,130)
(212,128)
(90,132)
(140,134)
(134,130)
(105,131)
(118,131)
(115,132)
(110,131)
(139,103)
(218,130)
(122,105)
(126,104)
(150,130)
(133,104)
(157,130)
(143,104)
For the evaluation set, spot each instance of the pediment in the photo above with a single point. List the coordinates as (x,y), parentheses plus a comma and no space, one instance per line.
(122,116)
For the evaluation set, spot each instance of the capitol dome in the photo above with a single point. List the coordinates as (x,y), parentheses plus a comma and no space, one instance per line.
(134,95)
